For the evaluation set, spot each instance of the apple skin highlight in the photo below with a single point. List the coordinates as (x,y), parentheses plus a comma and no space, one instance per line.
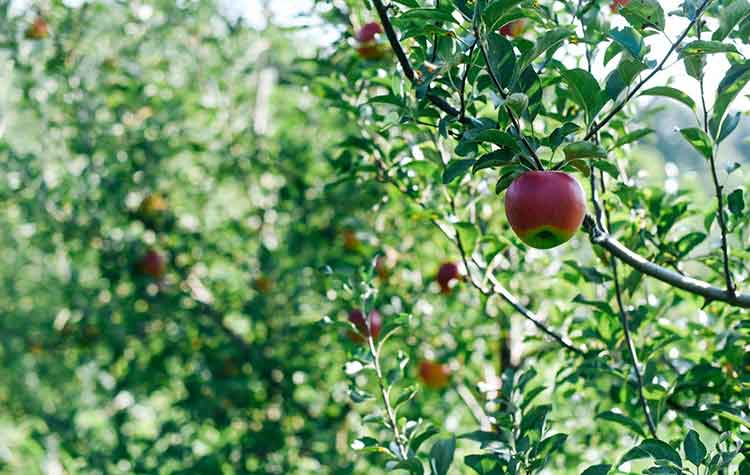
(545,208)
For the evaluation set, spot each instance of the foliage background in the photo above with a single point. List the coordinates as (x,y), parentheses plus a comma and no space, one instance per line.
(263,145)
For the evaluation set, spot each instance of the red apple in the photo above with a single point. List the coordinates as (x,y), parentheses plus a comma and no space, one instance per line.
(447,273)
(434,375)
(368,45)
(513,28)
(38,30)
(152,264)
(358,319)
(368,32)
(617,4)
(350,240)
(545,208)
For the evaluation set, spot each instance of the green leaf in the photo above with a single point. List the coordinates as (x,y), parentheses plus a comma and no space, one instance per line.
(497,137)
(509,174)
(728,126)
(694,66)
(549,40)
(441,456)
(535,419)
(417,441)
(456,169)
(584,91)
(702,47)
(484,464)
(695,451)
(630,41)
(494,12)
(729,17)
(550,445)
(729,87)
(607,167)
(502,58)
(699,140)
(493,159)
(601,469)
(736,202)
(427,14)
(558,135)
(583,149)
(642,14)
(632,137)
(621,77)
(666,91)
(622,420)
(655,449)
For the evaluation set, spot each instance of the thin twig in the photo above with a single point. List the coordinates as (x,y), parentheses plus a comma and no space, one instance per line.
(384,393)
(504,95)
(403,60)
(462,90)
(718,189)
(622,311)
(474,407)
(653,73)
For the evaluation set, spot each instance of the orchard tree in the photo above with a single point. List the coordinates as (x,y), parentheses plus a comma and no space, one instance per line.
(516,130)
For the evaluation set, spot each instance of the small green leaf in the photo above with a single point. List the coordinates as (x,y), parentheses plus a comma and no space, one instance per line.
(630,41)
(642,14)
(607,167)
(699,140)
(695,451)
(441,456)
(736,202)
(666,91)
(622,420)
(494,12)
(584,91)
(655,449)
(701,47)
(547,41)
(729,87)
(493,159)
(558,135)
(632,137)
(456,169)
(583,149)
(728,126)
(497,137)
(601,469)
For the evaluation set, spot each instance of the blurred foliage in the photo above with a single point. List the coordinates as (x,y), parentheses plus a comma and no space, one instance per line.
(254,167)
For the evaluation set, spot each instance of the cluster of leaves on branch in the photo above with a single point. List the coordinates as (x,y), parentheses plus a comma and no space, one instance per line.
(636,355)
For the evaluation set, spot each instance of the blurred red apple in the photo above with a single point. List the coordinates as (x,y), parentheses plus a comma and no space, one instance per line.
(350,240)
(545,208)
(152,264)
(38,30)
(447,273)
(357,318)
(368,32)
(368,45)
(513,28)
(433,374)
